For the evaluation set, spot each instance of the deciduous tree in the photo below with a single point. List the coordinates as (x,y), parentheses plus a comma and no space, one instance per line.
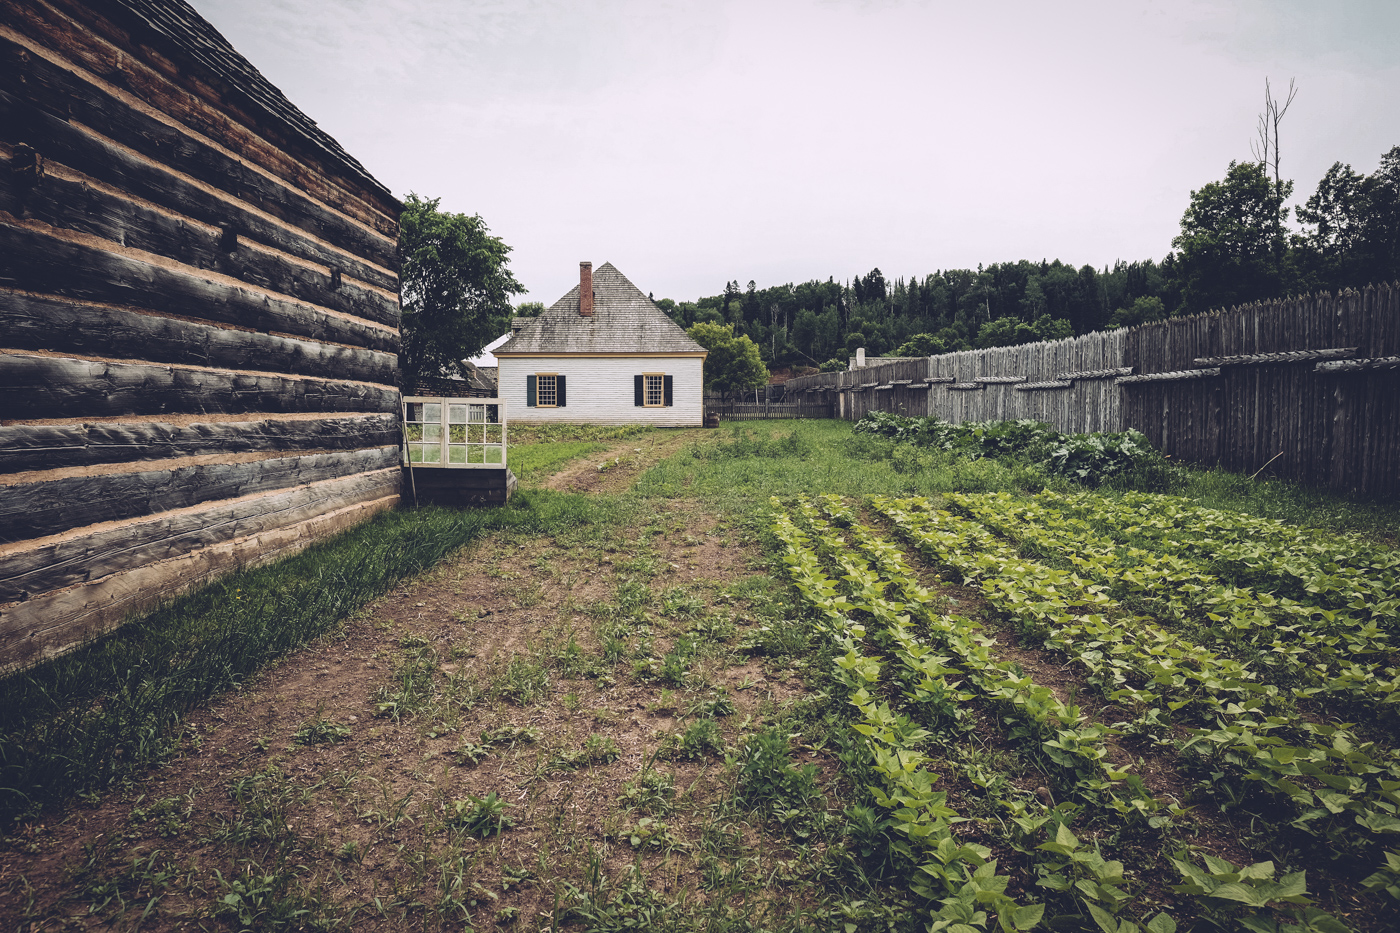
(455,287)
(733,364)
(1231,247)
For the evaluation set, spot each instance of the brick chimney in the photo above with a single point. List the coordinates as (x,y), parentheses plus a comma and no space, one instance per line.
(585,289)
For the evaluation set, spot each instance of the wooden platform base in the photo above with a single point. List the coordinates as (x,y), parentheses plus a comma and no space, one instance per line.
(459,488)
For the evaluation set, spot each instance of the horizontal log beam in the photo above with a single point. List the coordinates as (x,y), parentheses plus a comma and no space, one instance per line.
(31,510)
(79,148)
(48,447)
(1173,376)
(1113,373)
(47,626)
(30,322)
(34,387)
(1356,366)
(1051,384)
(55,562)
(36,259)
(1286,356)
(998,380)
(65,95)
(69,204)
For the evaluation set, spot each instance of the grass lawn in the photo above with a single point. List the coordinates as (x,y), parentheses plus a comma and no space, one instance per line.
(647,695)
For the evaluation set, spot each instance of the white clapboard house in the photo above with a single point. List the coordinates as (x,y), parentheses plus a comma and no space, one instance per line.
(602,354)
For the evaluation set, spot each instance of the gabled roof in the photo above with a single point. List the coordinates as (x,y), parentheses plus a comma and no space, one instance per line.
(624,321)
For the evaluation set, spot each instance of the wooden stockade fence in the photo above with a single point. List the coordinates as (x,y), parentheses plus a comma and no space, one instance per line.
(1068,383)
(756,411)
(199,303)
(1309,387)
(1278,391)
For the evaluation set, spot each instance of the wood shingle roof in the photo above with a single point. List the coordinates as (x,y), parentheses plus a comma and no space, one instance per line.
(624,320)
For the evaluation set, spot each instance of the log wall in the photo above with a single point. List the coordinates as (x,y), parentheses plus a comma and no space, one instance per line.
(198,319)
(1308,388)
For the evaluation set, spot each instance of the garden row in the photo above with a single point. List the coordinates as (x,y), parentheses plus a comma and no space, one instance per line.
(1171,616)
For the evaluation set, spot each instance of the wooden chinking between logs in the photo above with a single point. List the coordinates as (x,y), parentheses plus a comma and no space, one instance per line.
(199,303)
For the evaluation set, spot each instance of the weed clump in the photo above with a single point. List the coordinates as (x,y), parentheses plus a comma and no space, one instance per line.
(767,778)
(321,732)
(481,817)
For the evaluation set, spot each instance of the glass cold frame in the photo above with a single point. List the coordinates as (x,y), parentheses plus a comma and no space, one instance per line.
(487,420)
(423,429)
(458,433)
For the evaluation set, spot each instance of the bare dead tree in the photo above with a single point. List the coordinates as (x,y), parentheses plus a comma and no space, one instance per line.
(1265,146)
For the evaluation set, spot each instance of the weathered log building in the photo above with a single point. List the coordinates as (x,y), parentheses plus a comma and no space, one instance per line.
(198,319)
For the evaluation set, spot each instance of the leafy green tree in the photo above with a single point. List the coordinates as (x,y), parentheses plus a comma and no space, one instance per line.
(529,309)
(922,345)
(708,315)
(1232,245)
(804,333)
(733,364)
(455,288)
(1144,310)
(1355,226)
(1383,221)
(1052,328)
(1005,332)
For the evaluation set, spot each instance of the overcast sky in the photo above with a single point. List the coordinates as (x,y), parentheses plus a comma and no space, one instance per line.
(690,143)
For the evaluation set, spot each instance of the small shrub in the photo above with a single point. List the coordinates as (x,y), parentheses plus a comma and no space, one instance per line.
(676,664)
(676,602)
(265,902)
(716,707)
(651,833)
(413,685)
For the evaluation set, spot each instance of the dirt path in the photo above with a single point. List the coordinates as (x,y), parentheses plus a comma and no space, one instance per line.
(616,468)
(576,692)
